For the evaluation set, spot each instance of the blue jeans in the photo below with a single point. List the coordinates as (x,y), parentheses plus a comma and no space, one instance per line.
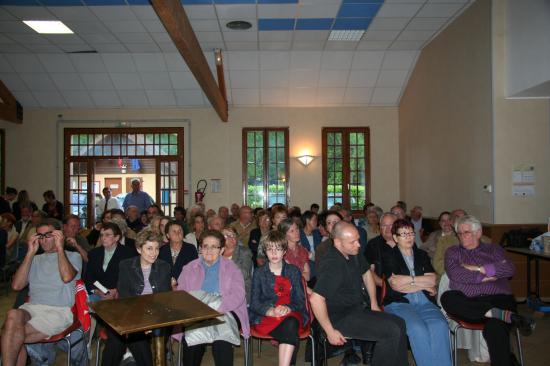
(427,329)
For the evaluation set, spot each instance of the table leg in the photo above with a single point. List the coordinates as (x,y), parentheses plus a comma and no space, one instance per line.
(528,277)
(159,353)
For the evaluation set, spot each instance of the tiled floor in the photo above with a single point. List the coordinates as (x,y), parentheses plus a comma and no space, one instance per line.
(535,347)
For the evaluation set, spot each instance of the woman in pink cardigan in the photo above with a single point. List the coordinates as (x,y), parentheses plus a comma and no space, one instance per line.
(213,273)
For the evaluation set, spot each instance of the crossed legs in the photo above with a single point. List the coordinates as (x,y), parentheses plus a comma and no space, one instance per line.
(15,333)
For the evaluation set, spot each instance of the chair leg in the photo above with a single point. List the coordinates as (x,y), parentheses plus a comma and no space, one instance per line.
(68,349)
(520,351)
(312,349)
(247,356)
(98,345)
(325,360)
(259,348)
(180,351)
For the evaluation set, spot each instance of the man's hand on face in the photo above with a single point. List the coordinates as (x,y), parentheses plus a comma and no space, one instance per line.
(33,245)
(59,240)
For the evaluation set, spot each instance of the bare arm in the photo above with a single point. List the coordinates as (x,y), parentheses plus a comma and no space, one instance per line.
(306,272)
(83,253)
(368,280)
(377,280)
(408,284)
(319,307)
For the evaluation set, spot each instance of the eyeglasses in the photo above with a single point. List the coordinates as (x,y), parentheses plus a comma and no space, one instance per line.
(45,235)
(229,236)
(404,235)
(207,248)
(466,233)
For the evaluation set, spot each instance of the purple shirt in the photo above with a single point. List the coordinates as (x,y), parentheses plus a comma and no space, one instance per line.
(489,256)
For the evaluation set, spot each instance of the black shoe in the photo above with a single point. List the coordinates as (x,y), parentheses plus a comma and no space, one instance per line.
(350,359)
(525,324)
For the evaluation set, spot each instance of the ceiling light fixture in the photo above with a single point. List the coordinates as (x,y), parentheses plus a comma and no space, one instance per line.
(346,35)
(48,26)
(239,25)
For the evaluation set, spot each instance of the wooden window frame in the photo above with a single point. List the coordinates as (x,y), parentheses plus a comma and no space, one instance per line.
(2,160)
(345,159)
(265,131)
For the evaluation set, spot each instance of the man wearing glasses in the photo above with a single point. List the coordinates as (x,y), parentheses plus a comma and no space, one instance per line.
(51,278)
(480,290)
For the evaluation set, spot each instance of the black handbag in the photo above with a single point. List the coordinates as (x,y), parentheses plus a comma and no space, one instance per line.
(519,238)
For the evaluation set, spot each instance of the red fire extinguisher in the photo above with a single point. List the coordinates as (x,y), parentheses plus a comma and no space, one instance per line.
(201,188)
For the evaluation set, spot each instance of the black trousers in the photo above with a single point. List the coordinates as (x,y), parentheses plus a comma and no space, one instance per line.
(222,352)
(473,309)
(115,347)
(387,330)
(287,333)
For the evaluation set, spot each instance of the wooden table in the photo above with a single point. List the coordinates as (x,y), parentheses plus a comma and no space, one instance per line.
(147,312)
(531,255)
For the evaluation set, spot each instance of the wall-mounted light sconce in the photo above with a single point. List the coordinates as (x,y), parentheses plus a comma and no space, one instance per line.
(305,159)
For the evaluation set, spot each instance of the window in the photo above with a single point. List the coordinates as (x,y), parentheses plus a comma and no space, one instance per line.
(346,173)
(265,166)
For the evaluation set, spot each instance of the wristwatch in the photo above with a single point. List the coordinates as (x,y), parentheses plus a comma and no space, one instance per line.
(412,282)
(479,268)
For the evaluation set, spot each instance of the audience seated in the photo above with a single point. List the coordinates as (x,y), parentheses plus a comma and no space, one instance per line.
(445,231)
(264,226)
(295,253)
(52,207)
(177,253)
(244,225)
(329,219)
(23,200)
(372,224)
(197,227)
(240,255)
(73,241)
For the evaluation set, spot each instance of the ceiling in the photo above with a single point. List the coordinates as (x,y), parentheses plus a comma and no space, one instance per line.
(121,56)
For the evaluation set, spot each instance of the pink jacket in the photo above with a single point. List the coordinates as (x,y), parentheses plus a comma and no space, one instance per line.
(231,287)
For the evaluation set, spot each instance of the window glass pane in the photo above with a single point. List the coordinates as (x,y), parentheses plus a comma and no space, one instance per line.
(173,149)
(74,139)
(173,138)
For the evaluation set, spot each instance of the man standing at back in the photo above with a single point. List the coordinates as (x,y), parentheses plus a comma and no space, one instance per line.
(341,307)
(51,278)
(137,197)
(107,203)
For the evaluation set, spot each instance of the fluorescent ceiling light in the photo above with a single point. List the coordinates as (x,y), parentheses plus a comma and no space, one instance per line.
(346,35)
(48,26)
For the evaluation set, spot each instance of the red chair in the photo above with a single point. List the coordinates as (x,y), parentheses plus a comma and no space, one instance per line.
(462,324)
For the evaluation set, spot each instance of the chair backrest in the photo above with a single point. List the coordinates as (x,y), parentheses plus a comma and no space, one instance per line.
(81,309)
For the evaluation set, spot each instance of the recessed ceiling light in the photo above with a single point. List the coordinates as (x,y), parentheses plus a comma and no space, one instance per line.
(48,26)
(239,25)
(346,35)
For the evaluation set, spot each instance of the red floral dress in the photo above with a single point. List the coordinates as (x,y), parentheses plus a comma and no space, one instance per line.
(282,289)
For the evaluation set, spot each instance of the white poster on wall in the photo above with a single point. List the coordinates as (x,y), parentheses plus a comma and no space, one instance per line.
(523,181)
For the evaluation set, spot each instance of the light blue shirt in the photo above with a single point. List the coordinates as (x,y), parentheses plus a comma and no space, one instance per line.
(140,199)
(211,282)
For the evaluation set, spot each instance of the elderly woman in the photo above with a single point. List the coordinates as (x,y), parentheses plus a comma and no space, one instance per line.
(241,255)
(372,226)
(215,274)
(430,245)
(410,295)
(295,254)
(178,253)
(264,225)
(277,305)
(197,226)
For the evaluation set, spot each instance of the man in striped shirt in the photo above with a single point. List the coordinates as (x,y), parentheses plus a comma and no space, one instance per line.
(480,291)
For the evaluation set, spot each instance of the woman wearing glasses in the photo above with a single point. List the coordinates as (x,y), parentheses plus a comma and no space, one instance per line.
(215,275)
(410,295)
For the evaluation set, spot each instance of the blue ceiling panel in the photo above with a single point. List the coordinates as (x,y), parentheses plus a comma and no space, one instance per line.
(104,2)
(358,10)
(363,1)
(234,2)
(277,1)
(314,23)
(196,2)
(351,24)
(48,2)
(138,2)
(275,24)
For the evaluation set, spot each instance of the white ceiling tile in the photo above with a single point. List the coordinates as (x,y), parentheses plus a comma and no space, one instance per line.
(142,47)
(357,95)
(333,78)
(304,78)
(77,99)
(205,25)
(4,64)
(161,37)
(156,80)
(236,60)
(201,12)
(385,96)
(244,79)
(30,12)
(89,62)
(277,10)
(49,99)
(26,98)
(316,11)
(245,96)
(242,46)
(275,36)
(49,48)
(211,46)
(29,39)
(392,78)
(144,12)
(126,80)
(302,96)
(236,12)
(97,81)
(103,48)
(133,98)
(77,48)
(153,26)
(183,80)
(450,1)
(105,98)
(13,81)
(407,45)
(406,1)
(426,23)
(24,63)
(189,97)
(126,26)
(367,59)
(415,35)
(274,97)
(340,46)
(62,39)
(388,23)
(374,45)
(113,12)
(161,98)
(274,79)
(167,46)
(274,60)
(65,13)
(17,27)
(399,59)
(67,81)
(336,60)
(330,96)
(374,35)
(244,36)
(99,38)
(14,48)
(209,36)
(275,46)
(87,27)
(37,81)
(56,63)
(308,46)
(305,59)
(134,37)
(5,40)
(175,62)
(398,10)
(149,62)
(311,35)
(4,15)
(362,78)
(439,10)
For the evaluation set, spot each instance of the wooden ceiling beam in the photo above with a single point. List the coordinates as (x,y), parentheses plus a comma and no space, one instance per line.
(173,17)
(10,109)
